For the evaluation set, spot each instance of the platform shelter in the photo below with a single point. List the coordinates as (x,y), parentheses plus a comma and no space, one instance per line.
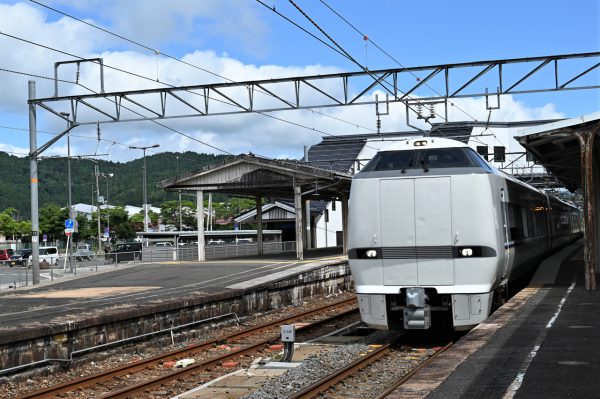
(569,149)
(253,176)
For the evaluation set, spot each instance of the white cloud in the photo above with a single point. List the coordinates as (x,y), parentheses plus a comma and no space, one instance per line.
(234,133)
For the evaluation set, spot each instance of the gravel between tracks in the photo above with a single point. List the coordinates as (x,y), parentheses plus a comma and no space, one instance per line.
(315,368)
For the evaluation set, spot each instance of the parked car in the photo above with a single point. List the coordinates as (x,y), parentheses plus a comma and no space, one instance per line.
(241,241)
(131,251)
(84,251)
(49,255)
(19,257)
(5,255)
(164,244)
(218,241)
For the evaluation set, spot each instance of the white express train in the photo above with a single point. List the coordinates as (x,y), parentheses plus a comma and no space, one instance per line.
(435,232)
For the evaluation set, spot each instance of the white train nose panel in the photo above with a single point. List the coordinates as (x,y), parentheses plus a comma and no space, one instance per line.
(397,223)
(433,225)
(411,217)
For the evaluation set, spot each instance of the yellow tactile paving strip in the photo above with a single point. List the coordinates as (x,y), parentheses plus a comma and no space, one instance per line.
(96,292)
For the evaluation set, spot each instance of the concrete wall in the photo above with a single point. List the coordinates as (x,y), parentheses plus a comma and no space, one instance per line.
(18,347)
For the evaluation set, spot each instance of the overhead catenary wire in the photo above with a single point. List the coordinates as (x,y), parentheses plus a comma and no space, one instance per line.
(368,38)
(382,82)
(146,78)
(157,52)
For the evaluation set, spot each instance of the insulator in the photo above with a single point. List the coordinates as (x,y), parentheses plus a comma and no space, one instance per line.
(419,111)
(378,124)
(431,110)
(98,130)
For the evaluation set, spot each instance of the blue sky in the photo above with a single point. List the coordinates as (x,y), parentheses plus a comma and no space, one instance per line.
(244,40)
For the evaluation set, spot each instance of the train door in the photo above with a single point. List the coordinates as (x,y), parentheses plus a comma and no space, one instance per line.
(433,230)
(506,233)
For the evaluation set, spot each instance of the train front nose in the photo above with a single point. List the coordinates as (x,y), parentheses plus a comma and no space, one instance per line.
(416,231)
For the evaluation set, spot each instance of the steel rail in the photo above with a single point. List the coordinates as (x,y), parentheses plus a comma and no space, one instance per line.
(133,390)
(92,379)
(327,382)
(414,371)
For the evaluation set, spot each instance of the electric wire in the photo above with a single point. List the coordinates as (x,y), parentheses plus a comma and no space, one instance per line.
(381,82)
(166,84)
(363,35)
(188,63)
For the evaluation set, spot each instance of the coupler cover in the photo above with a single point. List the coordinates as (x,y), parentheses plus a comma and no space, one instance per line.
(417,318)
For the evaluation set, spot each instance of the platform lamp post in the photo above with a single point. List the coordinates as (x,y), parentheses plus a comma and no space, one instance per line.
(70,204)
(107,176)
(144,184)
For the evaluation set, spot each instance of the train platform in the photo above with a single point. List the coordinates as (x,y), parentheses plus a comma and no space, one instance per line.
(542,343)
(145,289)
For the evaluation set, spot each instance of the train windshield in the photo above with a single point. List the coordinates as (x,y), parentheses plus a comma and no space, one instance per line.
(435,158)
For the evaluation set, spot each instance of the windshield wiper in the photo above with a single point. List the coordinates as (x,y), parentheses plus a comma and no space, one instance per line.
(425,169)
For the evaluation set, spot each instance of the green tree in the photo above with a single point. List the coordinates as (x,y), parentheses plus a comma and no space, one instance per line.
(24,230)
(52,221)
(120,226)
(8,226)
(169,214)
(137,220)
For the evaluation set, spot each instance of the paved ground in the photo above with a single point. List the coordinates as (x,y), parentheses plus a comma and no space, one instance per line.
(546,346)
(145,283)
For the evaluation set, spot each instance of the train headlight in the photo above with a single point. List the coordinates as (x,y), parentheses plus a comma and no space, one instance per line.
(420,143)
(466,252)
(371,253)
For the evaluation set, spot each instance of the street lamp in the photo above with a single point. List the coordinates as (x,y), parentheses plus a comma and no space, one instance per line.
(106,176)
(144,184)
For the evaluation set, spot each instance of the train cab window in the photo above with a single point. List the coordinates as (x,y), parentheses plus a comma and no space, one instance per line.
(458,157)
(391,160)
(447,158)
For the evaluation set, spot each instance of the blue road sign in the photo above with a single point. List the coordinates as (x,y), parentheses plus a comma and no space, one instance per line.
(69,224)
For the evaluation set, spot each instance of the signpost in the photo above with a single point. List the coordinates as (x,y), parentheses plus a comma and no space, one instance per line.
(69,229)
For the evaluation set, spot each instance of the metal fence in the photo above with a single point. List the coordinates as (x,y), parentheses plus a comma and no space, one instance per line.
(20,276)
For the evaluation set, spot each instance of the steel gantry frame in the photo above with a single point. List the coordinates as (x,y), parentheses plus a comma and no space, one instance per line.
(332,90)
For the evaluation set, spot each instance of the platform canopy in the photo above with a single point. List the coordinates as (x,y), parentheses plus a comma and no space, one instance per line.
(569,149)
(258,177)
(557,146)
(250,175)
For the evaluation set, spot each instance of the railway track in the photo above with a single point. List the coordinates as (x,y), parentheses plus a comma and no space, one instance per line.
(366,386)
(113,380)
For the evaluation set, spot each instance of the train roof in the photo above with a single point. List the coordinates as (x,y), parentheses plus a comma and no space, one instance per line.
(420,142)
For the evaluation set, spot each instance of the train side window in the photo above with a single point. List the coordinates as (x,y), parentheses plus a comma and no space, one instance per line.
(512,223)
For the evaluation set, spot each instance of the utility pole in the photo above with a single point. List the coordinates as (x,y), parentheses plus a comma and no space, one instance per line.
(144,183)
(33,182)
(97,173)
(180,217)
(70,204)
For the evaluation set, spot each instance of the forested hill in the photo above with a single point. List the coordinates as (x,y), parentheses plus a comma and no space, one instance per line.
(125,188)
